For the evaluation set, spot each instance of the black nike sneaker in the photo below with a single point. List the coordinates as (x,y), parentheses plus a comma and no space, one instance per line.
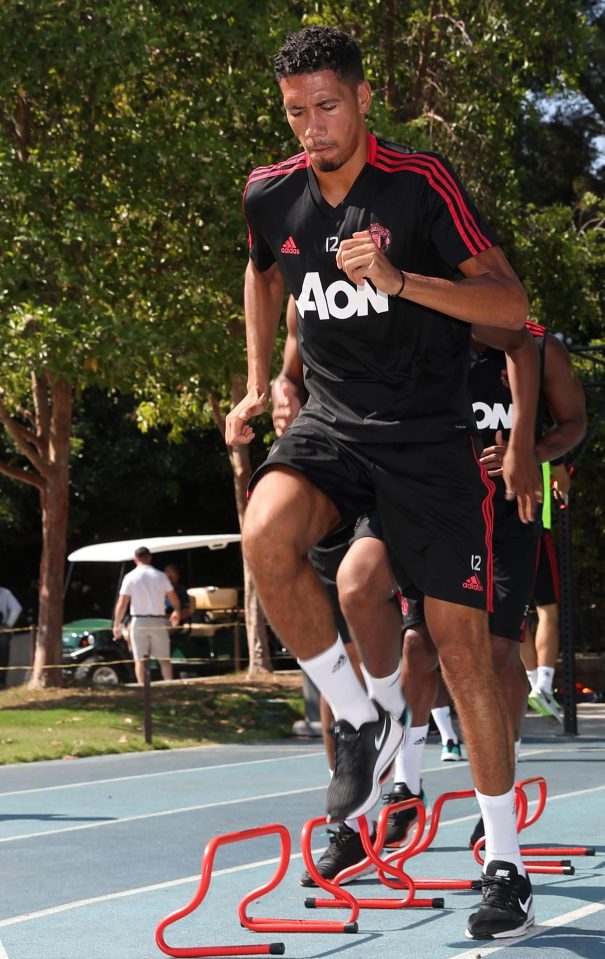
(507,908)
(477,833)
(362,758)
(345,849)
(400,822)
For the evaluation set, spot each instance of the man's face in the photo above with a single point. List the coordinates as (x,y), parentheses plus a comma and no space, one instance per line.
(327,116)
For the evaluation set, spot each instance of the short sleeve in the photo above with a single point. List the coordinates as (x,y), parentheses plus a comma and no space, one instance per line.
(126,584)
(454,225)
(260,251)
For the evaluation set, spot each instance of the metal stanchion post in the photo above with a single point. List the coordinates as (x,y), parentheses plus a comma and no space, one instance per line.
(33,645)
(147,700)
(570,719)
(237,652)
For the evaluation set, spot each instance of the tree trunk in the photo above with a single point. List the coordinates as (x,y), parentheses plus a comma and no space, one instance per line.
(54,502)
(256,623)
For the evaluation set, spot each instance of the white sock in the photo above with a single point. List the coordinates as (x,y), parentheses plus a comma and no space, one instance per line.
(354,825)
(532,675)
(337,681)
(546,675)
(443,717)
(386,690)
(408,761)
(500,822)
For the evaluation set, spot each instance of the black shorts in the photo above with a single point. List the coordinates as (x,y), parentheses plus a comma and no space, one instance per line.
(327,556)
(514,572)
(433,500)
(515,560)
(547,589)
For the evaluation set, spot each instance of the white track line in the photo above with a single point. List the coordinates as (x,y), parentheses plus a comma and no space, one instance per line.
(172,812)
(443,767)
(168,812)
(562,920)
(167,772)
(165,812)
(156,887)
(3,952)
(234,802)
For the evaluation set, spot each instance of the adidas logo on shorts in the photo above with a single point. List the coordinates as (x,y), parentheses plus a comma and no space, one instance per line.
(473,582)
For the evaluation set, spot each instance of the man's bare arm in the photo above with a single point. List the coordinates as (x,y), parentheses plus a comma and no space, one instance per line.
(490,293)
(288,394)
(118,616)
(263,301)
(516,459)
(175,615)
(566,402)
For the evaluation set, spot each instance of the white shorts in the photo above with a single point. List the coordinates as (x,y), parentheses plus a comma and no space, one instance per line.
(149,637)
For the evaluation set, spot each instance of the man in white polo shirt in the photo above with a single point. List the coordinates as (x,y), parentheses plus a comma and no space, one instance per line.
(146,589)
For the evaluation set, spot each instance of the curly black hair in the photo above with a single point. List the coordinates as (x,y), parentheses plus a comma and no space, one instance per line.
(320,48)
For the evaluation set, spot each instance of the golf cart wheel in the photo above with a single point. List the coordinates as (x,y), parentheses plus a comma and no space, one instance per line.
(98,673)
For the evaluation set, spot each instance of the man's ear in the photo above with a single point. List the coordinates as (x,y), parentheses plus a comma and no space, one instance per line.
(364,97)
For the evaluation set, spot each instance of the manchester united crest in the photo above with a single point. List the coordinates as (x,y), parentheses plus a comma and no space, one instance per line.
(381,236)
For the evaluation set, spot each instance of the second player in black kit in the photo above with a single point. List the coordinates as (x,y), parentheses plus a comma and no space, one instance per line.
(514,543)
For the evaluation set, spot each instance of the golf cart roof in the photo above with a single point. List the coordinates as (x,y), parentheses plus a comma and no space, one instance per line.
(124,549)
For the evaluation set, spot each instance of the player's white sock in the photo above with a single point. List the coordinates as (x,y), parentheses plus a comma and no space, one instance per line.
(386,690)
(443,718)
(546,675)
(337,681)
(408,761)
(532,675)
(500,823)
(354,825)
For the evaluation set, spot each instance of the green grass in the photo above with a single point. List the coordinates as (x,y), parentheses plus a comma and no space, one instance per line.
(72,723)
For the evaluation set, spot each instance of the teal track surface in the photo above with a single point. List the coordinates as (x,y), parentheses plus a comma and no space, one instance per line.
(95,852)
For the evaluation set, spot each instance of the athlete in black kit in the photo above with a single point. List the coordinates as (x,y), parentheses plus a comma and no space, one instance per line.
(515,545)
(390,263)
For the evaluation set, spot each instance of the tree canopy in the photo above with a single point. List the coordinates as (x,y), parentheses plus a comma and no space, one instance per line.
(128,131)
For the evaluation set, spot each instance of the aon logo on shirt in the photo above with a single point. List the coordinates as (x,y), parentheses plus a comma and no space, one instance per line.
(341,300)
(493,417)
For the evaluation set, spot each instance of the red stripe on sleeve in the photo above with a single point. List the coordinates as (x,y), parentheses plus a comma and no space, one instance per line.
(442,181)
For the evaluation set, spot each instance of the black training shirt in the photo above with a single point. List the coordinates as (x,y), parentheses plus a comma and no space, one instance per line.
(377,368)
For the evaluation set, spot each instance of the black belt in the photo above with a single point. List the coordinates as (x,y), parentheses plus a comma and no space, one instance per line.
(151,615)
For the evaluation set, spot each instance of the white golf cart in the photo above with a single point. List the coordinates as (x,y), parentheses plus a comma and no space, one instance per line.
(212,637)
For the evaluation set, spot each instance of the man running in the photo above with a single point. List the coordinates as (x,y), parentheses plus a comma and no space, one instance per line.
(390,263)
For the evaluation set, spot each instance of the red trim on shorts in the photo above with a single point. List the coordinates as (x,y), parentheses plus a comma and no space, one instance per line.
(551,554)
(487,508)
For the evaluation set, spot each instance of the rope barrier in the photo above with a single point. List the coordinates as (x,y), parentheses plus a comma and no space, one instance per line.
(112,662)
(176,661)
(215,625)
